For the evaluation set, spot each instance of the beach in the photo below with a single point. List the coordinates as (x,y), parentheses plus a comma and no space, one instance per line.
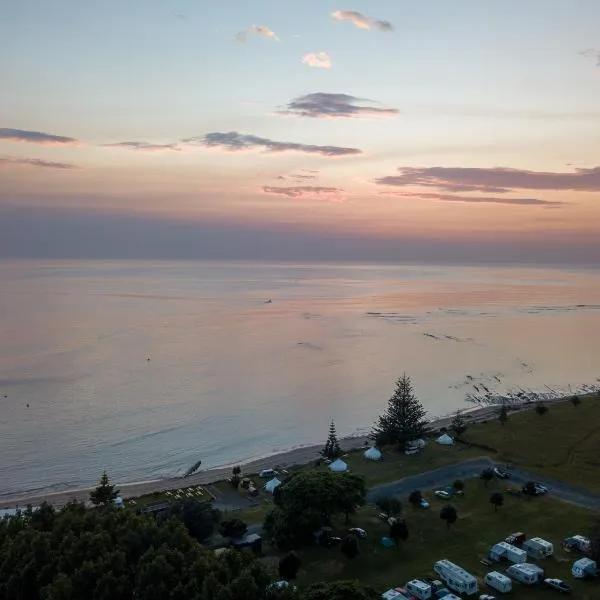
(295,457)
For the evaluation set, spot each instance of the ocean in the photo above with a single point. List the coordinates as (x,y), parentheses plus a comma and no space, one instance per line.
(144,368)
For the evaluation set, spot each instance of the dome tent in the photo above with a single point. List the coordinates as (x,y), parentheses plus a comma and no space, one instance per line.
(338,466)
(372,454)
(272,484)
(445,440)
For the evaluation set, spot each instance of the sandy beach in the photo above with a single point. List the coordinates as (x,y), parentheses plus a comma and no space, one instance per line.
(297,456)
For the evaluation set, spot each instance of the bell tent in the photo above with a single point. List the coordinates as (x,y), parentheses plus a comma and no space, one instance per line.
(338,466)
(445,440)
(372,454)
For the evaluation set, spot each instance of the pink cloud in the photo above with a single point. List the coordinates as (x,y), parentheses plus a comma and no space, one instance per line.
(319,60)
(361,21)
(305,191)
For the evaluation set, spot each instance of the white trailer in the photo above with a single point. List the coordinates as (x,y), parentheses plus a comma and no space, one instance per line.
(525,573)
(455,577)
(498,581)
(584,567)
(504,550)
(538,548)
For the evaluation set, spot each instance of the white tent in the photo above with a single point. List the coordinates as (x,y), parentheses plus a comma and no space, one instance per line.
(445,440)
(372,454)
(338,466)
(119,502)
(272,484)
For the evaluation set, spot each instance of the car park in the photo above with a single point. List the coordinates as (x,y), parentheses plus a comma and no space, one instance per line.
(558,584)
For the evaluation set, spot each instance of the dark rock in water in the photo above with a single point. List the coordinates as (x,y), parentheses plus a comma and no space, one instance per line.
(193,468)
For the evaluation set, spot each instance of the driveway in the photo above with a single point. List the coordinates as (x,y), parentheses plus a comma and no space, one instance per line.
(472,468)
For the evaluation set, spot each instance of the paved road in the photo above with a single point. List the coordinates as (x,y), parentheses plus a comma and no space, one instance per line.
(470,469)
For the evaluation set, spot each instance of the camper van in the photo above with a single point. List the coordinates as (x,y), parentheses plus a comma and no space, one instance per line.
(268,473)
(525,573)
(501,583)
(579,543)
(538,548)
(419,589)
(393,595)
(450,597)
(512,553)
(583,568)
(455,577)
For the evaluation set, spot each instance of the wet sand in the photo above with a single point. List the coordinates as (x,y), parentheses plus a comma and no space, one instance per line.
(298,456)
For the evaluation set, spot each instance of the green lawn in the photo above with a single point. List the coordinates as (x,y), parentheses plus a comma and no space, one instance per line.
(563,444)
(465,543)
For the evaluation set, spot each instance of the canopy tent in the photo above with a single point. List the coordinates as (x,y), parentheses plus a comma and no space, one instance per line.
(272,484)
(372,454)
(338,466)
(445,440)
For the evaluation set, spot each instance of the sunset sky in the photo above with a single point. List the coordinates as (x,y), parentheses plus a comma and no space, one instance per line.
(379,130)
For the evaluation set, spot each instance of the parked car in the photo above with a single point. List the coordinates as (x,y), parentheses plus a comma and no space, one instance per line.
(424,503)
(501,473)
(558,584)
(442,494)
(513,491)
(532,488)
(487,597)
(516,539)
(358,532)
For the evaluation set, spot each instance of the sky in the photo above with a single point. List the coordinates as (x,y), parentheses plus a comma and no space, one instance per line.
(387,130)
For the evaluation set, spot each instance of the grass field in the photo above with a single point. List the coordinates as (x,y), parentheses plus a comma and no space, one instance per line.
(563,444)
(465,543)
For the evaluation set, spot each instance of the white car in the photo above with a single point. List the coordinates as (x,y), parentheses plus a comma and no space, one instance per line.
(358,532)
(442,494)
(424,503)
(487,597)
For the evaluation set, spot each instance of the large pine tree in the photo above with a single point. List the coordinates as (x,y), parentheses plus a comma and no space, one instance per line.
(404,419)
(105,493)
(332,448)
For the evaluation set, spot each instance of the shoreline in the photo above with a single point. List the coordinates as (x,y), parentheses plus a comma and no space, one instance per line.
(294,457)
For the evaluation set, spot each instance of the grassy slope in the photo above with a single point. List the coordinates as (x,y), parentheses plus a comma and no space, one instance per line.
(563,444)
(465,543)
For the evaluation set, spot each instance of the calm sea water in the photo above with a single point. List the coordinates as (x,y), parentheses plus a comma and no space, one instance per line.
(231,376)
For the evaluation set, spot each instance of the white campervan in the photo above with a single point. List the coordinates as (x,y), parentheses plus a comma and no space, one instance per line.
(525,573)
(419,589)
(584,567)
(455,577)
(504,550)
(501,583)
(538,548)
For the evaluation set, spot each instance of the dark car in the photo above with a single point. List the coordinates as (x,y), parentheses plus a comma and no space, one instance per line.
(501,473)
(558,584)
(532,488)
(516,539)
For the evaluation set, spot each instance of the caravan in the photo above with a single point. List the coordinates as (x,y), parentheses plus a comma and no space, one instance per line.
(455,577)
(525,573)
(538,548)
(583,568)
(501,583)
(504,550)
(419,589)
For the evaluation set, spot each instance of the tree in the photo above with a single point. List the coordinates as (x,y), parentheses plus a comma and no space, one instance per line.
(199,518)
(307,500)
(390,505)
(399,531)
(503,414)
(349,547)
(105,493)
(289,566)
(415,498)
(236,476)
(458,425)
(119,555)
(340,590)
(497,499)
(332,448)
(540,408)
(404,418)
(449,514)
(487,475)
(233,528)
(576,401)
(459,485)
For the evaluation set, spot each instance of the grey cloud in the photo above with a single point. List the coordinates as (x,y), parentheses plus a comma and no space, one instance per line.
(332,106)
(495,180)
(304,176)
(36,162)
(477,199)
(234,141)
(301,191)
(361,21)
(261,30)
(144,146)
(34,137)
